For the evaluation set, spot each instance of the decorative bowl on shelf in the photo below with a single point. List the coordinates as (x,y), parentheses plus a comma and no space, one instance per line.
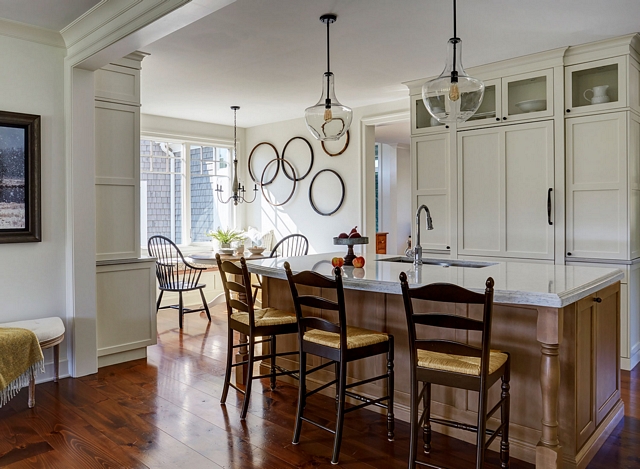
(256,250)
(532,105)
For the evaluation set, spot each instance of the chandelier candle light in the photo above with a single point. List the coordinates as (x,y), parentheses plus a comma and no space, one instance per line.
(454,96)
(328,120)
(237,189)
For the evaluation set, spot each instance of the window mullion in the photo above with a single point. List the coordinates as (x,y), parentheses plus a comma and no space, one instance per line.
(186,196)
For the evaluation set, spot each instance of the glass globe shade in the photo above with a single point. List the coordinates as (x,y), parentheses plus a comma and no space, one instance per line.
(328,120)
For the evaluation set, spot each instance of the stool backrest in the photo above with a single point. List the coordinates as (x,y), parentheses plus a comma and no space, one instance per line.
(292,245)
(244,301)
(306,321)
(449,293)
(172,270)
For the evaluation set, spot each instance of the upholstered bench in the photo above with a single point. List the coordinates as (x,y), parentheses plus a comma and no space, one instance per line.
(50,333)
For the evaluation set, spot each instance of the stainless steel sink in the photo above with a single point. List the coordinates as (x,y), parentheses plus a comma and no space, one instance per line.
(441,262)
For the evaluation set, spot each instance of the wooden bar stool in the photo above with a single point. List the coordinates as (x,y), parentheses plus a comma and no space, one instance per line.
(340,344)
(455,364)
(254,323)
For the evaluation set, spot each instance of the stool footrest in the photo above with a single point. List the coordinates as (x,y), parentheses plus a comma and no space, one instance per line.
(317,425)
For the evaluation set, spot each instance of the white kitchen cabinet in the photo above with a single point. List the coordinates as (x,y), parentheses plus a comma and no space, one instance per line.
(421,121)
(431,187)
(505,191)
(602,186)
(525,96)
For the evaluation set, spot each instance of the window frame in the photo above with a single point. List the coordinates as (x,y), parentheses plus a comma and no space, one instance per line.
(186,143)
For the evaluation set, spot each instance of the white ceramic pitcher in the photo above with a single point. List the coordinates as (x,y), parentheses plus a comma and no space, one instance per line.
(599,94)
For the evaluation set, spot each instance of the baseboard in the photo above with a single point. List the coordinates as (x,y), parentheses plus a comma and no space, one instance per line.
(628,364)
(121,357)
(48,374)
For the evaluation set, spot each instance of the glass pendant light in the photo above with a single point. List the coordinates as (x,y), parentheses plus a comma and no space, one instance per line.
(328,120)
(454,96)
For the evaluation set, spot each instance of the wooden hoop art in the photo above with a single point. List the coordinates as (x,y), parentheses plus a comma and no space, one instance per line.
(346,144)
(313,205)
(293,189)
(284,150)
(277,159)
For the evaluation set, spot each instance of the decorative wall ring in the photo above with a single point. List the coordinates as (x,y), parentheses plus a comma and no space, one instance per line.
(277,158)
(346,144)
(293,189)
(313,205)
(284,150)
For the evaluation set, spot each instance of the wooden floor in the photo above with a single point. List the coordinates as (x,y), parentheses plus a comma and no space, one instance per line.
(164,412)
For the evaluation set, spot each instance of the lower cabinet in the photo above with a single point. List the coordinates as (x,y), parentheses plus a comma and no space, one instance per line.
(505,191)
(597,344)
(126,310)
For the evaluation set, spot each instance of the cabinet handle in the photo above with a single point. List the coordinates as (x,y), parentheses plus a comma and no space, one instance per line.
(498,119)
(504,118)
(549,206)
(597,300)
(568,254)
(568,110)
(446,126)
(448,247)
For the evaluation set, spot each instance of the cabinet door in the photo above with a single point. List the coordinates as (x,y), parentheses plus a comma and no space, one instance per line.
(595,86)
(596,158)
(505,177)
(490,110)
(527,96)
(431,162)
(421,121)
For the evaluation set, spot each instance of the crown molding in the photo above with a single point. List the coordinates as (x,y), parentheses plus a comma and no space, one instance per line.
(31,33)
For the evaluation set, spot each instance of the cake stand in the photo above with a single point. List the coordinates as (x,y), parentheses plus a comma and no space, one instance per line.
(350,242)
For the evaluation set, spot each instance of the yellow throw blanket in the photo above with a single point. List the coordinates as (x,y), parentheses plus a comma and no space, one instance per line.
(20,355)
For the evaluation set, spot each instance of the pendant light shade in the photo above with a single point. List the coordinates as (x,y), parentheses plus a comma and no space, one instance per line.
(454,96)
(328,119)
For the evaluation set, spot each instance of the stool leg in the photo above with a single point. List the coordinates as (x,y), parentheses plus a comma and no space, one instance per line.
(414,420)
(342,383)
(247,389)
(390,392)
(504,417)
(56,362)
(302,396)
(159,300)
(273,362)
(227,373)
(482,427)
(426,430)
(206,306)
(32,389)
(180,309)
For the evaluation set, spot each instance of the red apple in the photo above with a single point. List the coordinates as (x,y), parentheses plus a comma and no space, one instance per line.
(353,230)
(355,235)
(343,235)
(337,262)
(358,262)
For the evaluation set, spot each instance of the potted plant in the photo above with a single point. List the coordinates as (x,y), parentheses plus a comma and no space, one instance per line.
(226,237)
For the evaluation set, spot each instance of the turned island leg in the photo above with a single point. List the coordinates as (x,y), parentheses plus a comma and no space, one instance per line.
(549,332)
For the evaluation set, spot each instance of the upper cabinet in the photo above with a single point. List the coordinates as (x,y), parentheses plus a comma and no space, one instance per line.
(421,121)
(596,86)
(526,96)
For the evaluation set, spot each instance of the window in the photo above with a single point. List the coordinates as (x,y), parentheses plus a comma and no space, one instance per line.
(179,204)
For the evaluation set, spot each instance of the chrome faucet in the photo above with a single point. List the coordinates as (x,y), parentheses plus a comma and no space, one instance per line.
(417,251)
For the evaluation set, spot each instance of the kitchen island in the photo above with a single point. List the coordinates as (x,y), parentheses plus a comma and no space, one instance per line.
(559,323)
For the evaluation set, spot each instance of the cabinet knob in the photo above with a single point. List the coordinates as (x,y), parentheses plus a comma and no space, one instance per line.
(446,126)
(504,118)
(498,119)
(568,110)
(448,247)
(568,254)
(597,300)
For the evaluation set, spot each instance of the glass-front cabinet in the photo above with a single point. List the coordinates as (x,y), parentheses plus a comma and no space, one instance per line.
(423,122)
(596,86)
(526,96)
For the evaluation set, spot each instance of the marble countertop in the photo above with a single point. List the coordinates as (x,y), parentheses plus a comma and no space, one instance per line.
(534,284)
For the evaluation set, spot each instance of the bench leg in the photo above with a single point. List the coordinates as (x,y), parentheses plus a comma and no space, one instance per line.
(32,390)
(56,362)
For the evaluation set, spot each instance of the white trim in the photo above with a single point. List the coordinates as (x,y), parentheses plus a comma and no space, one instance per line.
(181,138)
(31,33)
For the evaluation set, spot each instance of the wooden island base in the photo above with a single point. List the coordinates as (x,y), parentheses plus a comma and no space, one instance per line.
(565,378)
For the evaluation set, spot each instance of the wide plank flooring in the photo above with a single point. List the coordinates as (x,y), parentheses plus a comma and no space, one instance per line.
(164,412)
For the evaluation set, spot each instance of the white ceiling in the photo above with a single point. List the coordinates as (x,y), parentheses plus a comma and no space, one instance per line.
(48,14)
(269,56)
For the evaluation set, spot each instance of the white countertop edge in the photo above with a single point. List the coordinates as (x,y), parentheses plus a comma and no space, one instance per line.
(550,300)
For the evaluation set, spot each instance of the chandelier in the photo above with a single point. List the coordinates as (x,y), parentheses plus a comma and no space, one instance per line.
(237,190)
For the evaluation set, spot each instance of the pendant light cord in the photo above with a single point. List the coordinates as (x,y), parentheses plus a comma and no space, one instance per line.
(454,73)
(327,104)
(235,144)
(328,49)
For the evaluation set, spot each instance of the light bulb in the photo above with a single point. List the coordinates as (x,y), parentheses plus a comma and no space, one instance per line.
(454,92)
(328,115)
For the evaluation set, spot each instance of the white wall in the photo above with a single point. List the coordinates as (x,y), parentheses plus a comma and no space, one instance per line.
(403,196)
(297,216)
(32,277)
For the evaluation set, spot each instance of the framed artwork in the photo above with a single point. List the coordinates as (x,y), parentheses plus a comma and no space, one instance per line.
(20,217)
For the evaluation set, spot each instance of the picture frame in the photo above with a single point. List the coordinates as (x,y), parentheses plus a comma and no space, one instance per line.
(20,204)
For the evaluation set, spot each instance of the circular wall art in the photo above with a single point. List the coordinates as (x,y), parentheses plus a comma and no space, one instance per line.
(284,151)
(294,179)
(346,144)
(313,205)
(276,159)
